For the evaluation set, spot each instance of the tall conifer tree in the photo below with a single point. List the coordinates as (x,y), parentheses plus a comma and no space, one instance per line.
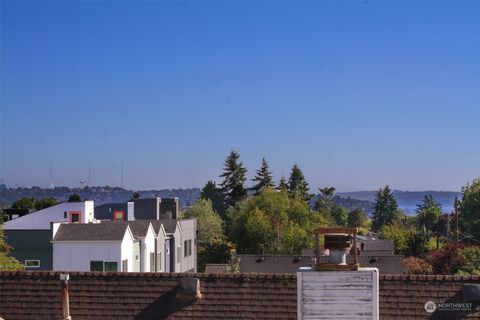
(297,185)
(233,179)
(263,178)
(385,210)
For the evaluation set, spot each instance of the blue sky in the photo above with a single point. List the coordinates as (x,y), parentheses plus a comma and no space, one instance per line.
(359,94)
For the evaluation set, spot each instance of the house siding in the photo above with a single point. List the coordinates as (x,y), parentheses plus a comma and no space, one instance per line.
(31,245)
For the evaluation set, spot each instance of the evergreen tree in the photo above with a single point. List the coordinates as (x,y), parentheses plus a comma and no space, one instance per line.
(428,215)
(74,198)
(215,195)
(282,185)
(325,200)
(385,210)
(135,196)
(233,179)
(263,178)
(357,219)
(297,185)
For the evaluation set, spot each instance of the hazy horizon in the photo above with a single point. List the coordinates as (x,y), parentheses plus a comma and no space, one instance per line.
(358,94)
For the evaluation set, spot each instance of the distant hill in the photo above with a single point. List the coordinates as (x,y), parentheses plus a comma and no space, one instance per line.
(408,200)
(99,194)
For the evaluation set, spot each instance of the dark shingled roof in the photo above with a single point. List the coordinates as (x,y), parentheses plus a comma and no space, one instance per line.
(169,224)
(126,295)
(91,232)
(139,227)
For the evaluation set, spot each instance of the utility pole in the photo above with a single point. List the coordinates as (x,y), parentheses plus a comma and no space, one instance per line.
(457,232)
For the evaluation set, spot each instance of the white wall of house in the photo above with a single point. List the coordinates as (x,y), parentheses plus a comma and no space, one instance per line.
(127,251)
(161,248)
(41,219)
(188,235)
(76,255)
(148,247)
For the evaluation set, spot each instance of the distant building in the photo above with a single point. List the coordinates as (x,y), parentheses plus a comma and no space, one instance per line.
(30,234)
(152,208)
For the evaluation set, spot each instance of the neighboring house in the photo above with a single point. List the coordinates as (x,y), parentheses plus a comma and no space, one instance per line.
(152,208)
(291,263)
(95,247)
(158,245)
(30,235)
(11,213)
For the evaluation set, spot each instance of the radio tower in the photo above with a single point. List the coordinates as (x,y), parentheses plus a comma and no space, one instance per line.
(51,186)
(121,173)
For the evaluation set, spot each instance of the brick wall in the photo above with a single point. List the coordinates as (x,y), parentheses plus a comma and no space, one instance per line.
(95,295)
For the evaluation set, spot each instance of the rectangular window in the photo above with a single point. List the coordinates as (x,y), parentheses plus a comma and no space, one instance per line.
(125,265)
(118,215)
(159,261)
(32,263)
(103,266)
(65,214)
(152,261)
(111,266)
(179,254)
(96,265)
(187,248)
(74,216)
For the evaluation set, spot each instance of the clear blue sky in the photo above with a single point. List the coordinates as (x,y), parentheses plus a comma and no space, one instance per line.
(359,94)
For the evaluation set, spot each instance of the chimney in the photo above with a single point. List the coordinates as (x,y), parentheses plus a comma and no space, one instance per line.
(130,211)
(337,289)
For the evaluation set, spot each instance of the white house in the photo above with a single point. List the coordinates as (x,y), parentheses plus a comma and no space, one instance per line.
(73,212)
(95,247)
(30,235)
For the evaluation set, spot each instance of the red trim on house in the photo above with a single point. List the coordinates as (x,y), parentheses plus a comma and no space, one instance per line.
(115,215)
(79,213)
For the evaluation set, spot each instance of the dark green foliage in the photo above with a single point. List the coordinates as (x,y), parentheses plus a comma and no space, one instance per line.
(428,215)
(74,198)
(233,179)
(385,210)
(340,215)
(24,203)
(135,196)
(470,210)
(417,245)
(215,195)
(297,185)
(325,201)
(45,203)
(32,203)
(219,251)
(357,219)
(263,178)
(282,185)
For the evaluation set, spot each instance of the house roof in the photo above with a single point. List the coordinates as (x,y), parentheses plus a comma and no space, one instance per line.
(291,263)
(122,295)
(169,224)
(91,232)
(139,228)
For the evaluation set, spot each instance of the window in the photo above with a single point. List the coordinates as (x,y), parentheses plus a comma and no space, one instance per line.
(111,266)
(74,216)
(65,214)
(187,248)
(96,265)
(179,254)
(125,265)
(118,215)
(136,257)
(152,261)
(159,261)
(103,266)
(32,263)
